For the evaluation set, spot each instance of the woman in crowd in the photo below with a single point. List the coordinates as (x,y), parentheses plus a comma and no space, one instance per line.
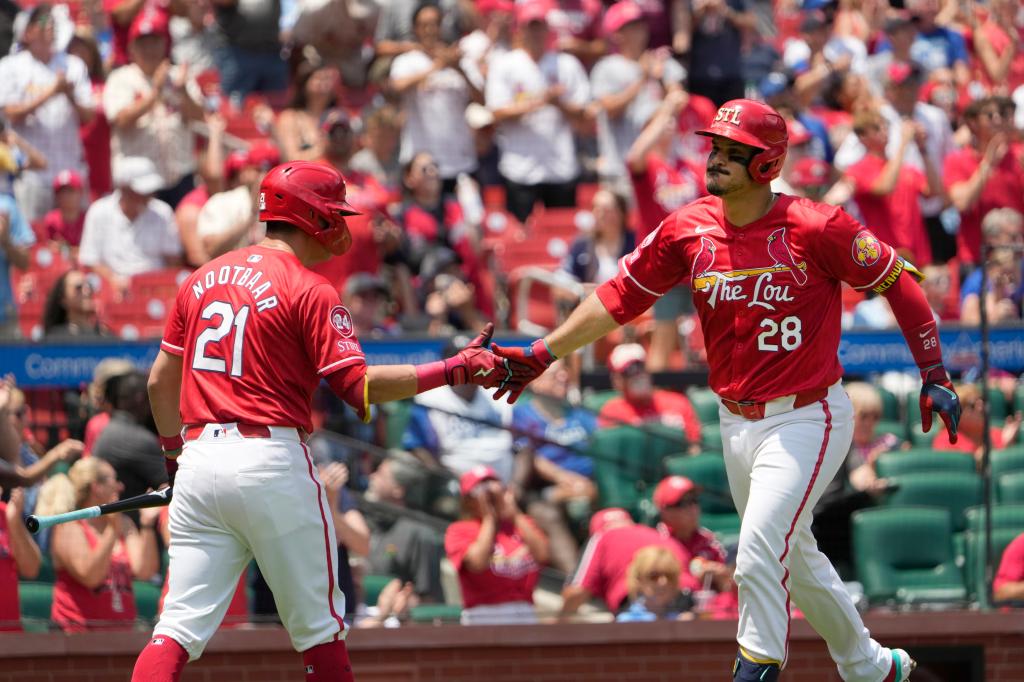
(19,556)
(97,559)
(70,309)
(653,583)
(867,444)
(298,127)
(594,257)
(497,551)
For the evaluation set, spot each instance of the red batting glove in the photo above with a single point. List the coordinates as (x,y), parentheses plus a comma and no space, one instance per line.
(937,394)
(474,364)
(527,364)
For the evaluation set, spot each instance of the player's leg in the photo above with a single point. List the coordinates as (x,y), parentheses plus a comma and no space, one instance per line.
(291,532)
(205,562)
(792,463)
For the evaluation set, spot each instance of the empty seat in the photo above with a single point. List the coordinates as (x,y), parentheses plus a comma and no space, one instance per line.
(628,463)
(705,403)
(1003,516)
(974,566)
(1007,460)
(147,599)
(35,601)
(1010,488)
(952,491)
(903,462)
(906,555)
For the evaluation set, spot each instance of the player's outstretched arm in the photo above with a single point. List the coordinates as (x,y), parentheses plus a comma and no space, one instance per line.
(915,318)
(587,323)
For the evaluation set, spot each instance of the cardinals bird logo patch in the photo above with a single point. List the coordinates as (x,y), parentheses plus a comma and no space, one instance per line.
(866,249)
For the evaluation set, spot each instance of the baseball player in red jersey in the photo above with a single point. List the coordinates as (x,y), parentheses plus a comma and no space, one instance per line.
(765,270)
(251,335)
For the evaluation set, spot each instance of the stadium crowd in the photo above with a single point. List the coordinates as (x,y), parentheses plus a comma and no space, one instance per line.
(490,145)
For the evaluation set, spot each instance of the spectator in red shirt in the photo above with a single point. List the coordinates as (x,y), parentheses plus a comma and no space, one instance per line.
(497,550)
(887,191)
(64,223)
(1009,581)
(972,426)
(664,180)
(614,541)
(121,14)
(97,559)
(95,133)
(997,44)
(19,556)
(987,174)
(639,402)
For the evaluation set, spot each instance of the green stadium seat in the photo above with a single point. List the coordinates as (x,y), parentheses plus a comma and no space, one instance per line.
(890,405)
(707,471)
(711,436)
(953,491)
(1006,460)
(906,555)
(147,599)
(373,585)
(397,415)
(903,462)
(435,613)
(595,401)
(974,567)
(46,572)
(1010,488)
(725,526)
(628,462)
(1018,398)
(893,426)
(998,406)
(705,404)
(1003,516)
(35,600)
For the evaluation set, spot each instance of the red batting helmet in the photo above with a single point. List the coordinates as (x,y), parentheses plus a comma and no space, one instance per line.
(310,196)
(758,125)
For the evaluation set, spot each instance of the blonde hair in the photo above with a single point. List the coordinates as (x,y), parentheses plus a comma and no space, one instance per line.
(648,559)
(968,393)
(865,397)
(64,492)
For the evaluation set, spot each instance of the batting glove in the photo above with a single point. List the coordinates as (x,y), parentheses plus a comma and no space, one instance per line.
(475,364)
(171,447)
(937,394)
(527,364)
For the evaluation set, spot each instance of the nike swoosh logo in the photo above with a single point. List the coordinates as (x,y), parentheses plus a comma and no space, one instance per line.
(483,372)
(701,229)
(924,334)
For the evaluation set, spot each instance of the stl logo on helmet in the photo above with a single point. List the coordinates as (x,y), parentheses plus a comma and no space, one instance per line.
(341,320)
(263,201)
(866,249)
(728,115)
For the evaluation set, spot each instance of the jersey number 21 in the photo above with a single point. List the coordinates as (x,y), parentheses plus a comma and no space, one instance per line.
(228,318)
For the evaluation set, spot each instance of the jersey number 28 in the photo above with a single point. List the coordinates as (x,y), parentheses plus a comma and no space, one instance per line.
(228,318)
(787,333)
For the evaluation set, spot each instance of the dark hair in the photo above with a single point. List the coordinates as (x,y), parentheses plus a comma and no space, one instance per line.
(407,168)
(54,313)
(832,90)
(126,391)
(39,13)
(429,4)
(97,72)
(280,227)
(303,73)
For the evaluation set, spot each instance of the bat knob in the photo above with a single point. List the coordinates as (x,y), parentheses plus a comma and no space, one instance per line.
(32,523)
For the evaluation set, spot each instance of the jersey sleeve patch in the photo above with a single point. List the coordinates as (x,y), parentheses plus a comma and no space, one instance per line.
(866,250)
(341,320)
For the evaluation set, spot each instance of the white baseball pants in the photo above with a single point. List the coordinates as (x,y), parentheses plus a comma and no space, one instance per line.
(778,468)
(238,498)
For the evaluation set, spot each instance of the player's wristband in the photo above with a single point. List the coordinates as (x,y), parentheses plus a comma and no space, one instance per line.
(431,375)
(923,342)
(542,351)
(172,445)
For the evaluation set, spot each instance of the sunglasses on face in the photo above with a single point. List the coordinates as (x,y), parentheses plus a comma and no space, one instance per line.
(685,503)
(656,575)
(875,416)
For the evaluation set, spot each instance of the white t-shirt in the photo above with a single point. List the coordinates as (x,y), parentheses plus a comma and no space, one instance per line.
(224,211)
(478,51)
(539,146)
(53,127)
(161,134)
(613,74)
(940,144)
(466,443)
(128,247)
(434,115)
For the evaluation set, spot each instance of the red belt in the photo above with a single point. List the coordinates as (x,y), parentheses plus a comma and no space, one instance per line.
(755,411)
(244,430)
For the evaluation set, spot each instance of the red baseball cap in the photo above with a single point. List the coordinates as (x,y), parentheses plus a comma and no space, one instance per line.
(810,171)
(474,477)
(488,7)
(264,154)
(532,10)
(606,517)
(671,490)
(149,23)
(902,72)
(67,178)
(620,14)
(798,132)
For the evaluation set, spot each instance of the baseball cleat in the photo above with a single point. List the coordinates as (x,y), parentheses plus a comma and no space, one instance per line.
(902,666)
(747,670)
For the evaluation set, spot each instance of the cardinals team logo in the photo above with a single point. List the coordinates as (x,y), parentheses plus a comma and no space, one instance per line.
(866,249)
(341,320)
(727,285)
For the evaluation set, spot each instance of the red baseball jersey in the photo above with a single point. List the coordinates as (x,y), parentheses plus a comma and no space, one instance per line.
(10,616)
(1011,566)
(896,217)
(77,608)
(767,294)
(512,574)
(256,332)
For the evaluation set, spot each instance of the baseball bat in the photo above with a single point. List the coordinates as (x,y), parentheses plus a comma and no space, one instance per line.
(156,498)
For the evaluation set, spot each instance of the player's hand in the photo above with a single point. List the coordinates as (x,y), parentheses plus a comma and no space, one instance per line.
(475,364)
(527,364)
(149,517)
(15,506)
(937,394)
